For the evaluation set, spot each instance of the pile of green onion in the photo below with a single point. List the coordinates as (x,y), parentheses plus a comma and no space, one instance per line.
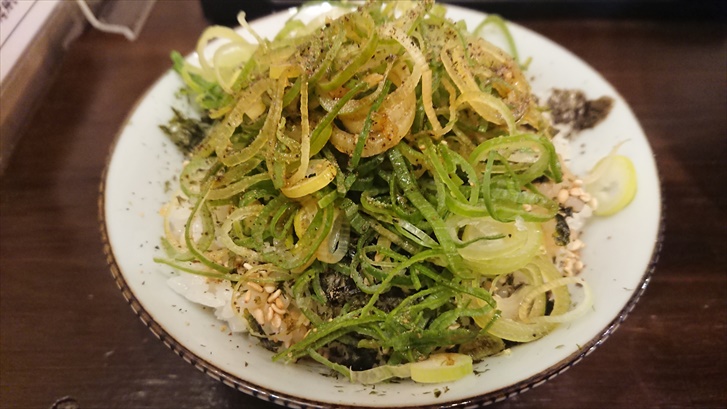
(392,147)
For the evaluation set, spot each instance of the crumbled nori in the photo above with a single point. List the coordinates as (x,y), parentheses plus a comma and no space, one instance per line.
(562,231)
(186,132)
(483,346)
(358,359)
(341,290)
(572,107)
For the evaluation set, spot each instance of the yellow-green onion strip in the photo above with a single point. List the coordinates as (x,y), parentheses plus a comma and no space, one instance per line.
(319,174)
(322,131)
(174,251)
(498,22)
(466,144)
(571,315)
(436,163)
(438,368)
(517,331)
(326,332)
(379,373)
(192,175)
(398,99)
(227,60)
(301,252)
(364,134)
(237,216)
(384,259)
(234,173)
(458,161)
(335,245)
(364,53)
(528,154)
(275,132)
(489,107)
(400,268)
(535,277)
(211,33)
(421,68)
(217,140)
(449,87)
(465,209)
(300,173)
(353,106)
(486,105)
(399,107)
(241,185)
(295,28)
(393,237)
(304,215)
(263,43)
(414,233)
(192,246)
(490,247)
(511,330)
(188,268)
(291,28)
(412,192)
(171,239)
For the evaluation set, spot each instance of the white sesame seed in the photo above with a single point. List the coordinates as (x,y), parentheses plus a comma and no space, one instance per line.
(247,296)
(258,314)
(586,197)
(563,195)
(247,266)
(279,303)
(568,263)
(254,286)
(277,321)
(579,265)
(575,245)
(275,308)
(578,182)
(274,295)
(527,207)
(568,267)
(270,313)
(269,288)
(576,191)
(593,203)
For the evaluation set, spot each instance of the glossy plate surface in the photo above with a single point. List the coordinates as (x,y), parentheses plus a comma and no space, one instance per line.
(620,254)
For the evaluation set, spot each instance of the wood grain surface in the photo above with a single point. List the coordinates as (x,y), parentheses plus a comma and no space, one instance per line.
(68,337)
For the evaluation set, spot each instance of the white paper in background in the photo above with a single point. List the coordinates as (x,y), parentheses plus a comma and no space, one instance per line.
(20,21)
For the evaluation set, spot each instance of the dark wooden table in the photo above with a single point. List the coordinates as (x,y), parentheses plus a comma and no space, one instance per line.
(66,330)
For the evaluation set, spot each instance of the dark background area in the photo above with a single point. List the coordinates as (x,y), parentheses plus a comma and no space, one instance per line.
(224,11)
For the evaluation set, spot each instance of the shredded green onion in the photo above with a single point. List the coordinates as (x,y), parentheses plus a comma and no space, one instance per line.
(374,181)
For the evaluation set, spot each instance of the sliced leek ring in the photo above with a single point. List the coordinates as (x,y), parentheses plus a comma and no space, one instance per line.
(518,244)
(444,367)
(612,182)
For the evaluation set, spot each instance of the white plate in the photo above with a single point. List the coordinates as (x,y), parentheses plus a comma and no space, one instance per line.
(620,254)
